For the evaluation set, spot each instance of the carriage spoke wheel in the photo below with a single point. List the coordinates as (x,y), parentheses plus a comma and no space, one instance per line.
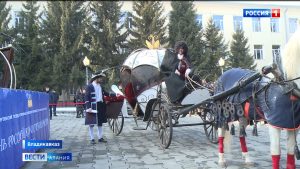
(210,126)
(165,129)
(153,119)
(116,125)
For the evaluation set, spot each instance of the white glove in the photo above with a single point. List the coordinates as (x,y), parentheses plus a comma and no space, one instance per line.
(89,110)
(177,72)
(187,72)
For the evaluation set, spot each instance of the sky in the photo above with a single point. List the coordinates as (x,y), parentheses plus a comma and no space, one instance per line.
(281,3)
(17,5)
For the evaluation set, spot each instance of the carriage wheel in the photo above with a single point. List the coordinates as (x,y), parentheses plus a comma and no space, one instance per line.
(165,129)
(153,119)
(210,126)
(116,125)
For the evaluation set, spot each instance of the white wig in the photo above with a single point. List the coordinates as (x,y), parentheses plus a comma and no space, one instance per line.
(291,57)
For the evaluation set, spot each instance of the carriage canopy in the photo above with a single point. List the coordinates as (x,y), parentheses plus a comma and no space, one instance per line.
(141,71)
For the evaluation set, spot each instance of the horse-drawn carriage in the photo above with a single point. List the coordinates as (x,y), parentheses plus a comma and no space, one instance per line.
(239,94)
(149,89)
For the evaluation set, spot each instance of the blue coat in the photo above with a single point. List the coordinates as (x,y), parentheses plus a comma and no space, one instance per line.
(90,102)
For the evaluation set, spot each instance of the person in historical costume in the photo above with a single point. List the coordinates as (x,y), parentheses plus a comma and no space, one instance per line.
(183,68)
(95,106)
(177,69)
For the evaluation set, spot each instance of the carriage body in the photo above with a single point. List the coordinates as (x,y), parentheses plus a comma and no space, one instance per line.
(114,114)
(140,78)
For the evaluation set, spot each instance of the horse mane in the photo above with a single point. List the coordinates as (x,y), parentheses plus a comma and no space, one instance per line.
(291,57)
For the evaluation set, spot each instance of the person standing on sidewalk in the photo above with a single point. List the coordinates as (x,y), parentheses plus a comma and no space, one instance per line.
(50,100)
(79,100)
(95,106)
(55,101)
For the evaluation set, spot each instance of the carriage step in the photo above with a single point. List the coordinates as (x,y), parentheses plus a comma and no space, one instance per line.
(139,128)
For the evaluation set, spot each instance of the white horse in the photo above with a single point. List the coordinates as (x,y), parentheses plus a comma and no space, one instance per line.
(283,94)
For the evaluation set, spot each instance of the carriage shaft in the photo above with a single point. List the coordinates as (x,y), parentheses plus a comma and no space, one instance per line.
(224,94)
(192,124)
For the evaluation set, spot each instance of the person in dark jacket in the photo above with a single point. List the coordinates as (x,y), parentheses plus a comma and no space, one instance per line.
(183,68)
(95,106)
(79,100)
(55,98)
(50,100)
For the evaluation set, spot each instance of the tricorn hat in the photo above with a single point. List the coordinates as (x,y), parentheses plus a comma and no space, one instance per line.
(96,75)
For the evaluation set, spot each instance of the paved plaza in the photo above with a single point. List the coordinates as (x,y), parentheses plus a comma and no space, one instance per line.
(133,149)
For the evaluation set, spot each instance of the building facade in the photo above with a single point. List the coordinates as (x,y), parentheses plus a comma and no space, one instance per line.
(267,36)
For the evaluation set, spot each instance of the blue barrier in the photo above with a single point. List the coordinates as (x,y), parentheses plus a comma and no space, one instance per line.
(23,115)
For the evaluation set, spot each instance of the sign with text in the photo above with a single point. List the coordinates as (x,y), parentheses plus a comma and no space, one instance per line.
(24,115)
(47,157)
(274,13)
(40,144)
(59,157)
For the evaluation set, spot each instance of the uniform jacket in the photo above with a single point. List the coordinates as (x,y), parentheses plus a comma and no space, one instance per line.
(98,115)
(90,97)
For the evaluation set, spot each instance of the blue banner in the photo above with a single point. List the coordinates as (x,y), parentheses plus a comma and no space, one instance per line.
(59,157)
(24,115)
(257,12)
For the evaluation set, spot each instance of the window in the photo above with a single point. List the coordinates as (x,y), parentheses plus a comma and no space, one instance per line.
(130,22)
(218,21)
(123,17)
(256,24)
(18,18)
(274,24)
(292,24)
(258,52)
(199,20)
(237,23)
(276,54)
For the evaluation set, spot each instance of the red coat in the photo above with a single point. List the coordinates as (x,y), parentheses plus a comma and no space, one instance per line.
(130,96)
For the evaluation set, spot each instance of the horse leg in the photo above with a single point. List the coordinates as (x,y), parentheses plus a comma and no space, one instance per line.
(221,134)
(244,148)
(275,146)
(291,135)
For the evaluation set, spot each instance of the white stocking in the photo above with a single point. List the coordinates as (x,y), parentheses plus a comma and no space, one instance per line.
(291,141)
(100,132)
(275,140)
(91,131)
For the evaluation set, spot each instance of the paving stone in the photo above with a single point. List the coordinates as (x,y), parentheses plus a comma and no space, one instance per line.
(135,149)
(86,166)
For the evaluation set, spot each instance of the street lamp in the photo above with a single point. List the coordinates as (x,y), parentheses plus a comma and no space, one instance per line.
(221,63)
(86,63)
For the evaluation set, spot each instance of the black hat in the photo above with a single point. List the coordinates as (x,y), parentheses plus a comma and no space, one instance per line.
(183,45)
(96,75)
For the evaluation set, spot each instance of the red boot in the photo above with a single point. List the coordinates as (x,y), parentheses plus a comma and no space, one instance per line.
(243,144)
(275,161)
(221,144)
(290,163)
